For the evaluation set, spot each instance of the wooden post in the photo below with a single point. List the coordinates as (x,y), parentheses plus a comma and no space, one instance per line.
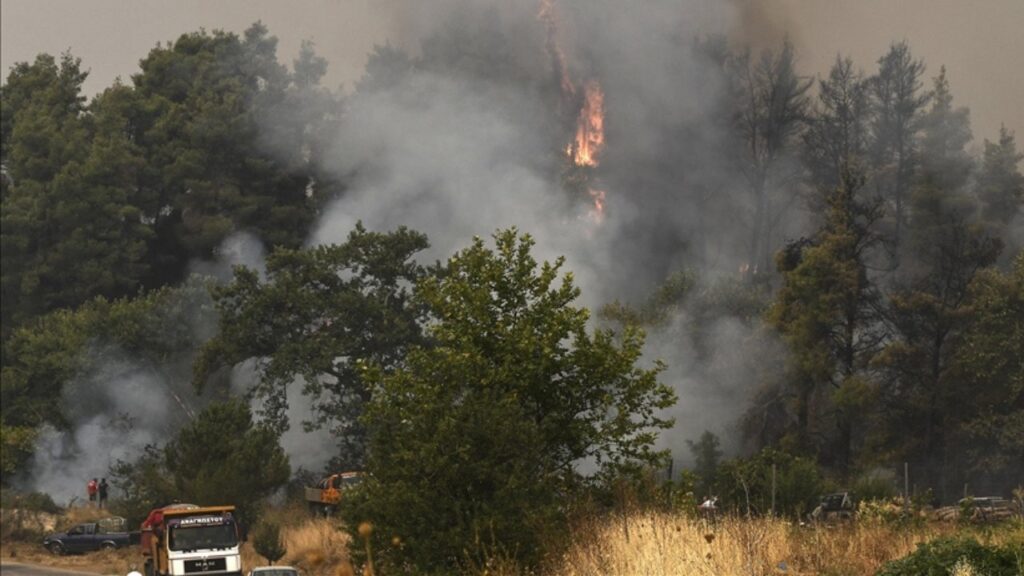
(906,487)
(773,489)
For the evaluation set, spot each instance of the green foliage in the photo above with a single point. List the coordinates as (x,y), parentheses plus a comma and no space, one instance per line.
(658,309)
(267,541)
(475,439)
(72,229)
(990,369)
(224,458)
(827,312)
(928,320)
(837,134)
(103,199)
(938,557)
(898,101)
(142,484)
(744,483)
(40,359)
(319,313)
(29,501)
(1000,184)
(16,447)
(707,455)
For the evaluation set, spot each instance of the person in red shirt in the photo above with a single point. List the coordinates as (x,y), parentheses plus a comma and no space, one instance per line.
(92,488)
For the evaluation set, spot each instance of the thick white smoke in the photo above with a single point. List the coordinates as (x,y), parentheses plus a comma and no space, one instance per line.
(456,152)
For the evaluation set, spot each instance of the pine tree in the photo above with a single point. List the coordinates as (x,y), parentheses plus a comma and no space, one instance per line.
(898,103)
(1000,186)
(827,312)
(837,133)
(771,107)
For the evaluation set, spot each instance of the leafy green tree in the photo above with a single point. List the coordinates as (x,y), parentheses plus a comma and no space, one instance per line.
(316,316)
(223,457)
(73,212)
(224,128)
(45,142)
(478,437)
(42,357)
(141,485)
(745,485)
(989,370)
(17,443)
(45,88)
(827,312)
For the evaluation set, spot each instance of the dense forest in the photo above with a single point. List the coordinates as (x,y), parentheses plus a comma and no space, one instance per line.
(851,223)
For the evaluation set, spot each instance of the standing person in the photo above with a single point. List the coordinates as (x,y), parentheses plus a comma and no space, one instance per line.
(92,488)
(103,493)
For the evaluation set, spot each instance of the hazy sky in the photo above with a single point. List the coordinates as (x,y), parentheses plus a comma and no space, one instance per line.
(980,42)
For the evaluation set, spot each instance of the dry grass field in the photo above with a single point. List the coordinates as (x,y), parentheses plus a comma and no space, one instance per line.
(657,544)
(642,544)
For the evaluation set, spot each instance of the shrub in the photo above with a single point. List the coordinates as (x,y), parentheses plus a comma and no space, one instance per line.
(33,501)
(798,484)
(268,543)
(939,557)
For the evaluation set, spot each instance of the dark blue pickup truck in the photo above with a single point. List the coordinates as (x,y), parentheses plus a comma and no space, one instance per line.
(88,537)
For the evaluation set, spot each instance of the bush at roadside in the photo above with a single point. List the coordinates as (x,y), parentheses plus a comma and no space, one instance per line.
(939,557)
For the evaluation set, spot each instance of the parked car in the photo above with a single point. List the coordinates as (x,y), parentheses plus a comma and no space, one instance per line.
(836,506)
(89,537)
(274,571)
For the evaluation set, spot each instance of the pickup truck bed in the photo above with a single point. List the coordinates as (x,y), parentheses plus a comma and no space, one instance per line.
(88,537)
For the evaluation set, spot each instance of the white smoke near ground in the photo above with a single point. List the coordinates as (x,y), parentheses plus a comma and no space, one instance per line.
(116,409)
(123,401)
(738,359)
(239,249)
(308,447)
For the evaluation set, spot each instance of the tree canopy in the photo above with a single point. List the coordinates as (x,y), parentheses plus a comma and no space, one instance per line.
(485,432)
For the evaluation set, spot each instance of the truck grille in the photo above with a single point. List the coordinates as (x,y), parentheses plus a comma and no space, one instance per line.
(205,565)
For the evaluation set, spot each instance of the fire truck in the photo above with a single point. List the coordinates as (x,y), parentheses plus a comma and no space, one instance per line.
(326,495)
(185,539)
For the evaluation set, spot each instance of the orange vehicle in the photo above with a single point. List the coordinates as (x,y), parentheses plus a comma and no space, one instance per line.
(326,495)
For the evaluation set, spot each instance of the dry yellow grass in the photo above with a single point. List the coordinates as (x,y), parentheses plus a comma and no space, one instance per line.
(317,546)
(654,544)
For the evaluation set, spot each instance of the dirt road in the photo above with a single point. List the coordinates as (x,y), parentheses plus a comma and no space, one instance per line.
(18,569)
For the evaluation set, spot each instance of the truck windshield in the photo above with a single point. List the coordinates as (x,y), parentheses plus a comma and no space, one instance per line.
(202,537)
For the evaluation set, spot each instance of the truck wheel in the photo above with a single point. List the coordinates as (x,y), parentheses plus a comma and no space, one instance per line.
(108,546)
(55,548)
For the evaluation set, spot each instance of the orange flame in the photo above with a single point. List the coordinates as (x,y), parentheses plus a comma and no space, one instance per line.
(590,126)
(589,138)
